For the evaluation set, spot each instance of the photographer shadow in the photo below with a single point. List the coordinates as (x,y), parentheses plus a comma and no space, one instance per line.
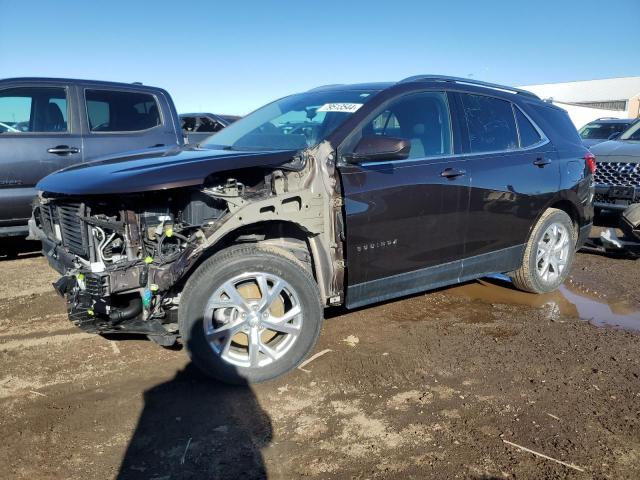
(192,427)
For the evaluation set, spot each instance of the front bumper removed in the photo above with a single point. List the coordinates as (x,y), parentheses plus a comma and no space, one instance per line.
(105,302)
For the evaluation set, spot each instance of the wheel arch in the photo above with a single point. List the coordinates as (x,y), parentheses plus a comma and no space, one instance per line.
(570,209)
(286,238)
(562,201)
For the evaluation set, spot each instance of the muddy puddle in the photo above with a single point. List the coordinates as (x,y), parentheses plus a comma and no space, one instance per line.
(568,301)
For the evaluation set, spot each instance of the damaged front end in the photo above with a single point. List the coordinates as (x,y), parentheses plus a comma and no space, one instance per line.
(124,258)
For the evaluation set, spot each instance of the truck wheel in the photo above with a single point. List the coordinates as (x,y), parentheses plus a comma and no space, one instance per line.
(548,255)
(247,315)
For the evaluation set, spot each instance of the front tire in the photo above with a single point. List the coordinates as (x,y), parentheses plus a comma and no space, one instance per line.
(548,255)
(248,315)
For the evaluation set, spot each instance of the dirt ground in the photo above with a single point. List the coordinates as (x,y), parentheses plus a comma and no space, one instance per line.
(433,386)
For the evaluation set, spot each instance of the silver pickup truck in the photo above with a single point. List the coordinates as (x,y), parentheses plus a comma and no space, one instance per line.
(49,123)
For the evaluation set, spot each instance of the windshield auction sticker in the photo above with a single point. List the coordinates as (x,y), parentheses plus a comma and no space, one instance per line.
(340,107)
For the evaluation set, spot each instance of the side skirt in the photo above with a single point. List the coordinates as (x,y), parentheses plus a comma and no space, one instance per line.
(451,273)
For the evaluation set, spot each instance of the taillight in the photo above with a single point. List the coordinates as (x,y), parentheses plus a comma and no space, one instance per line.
(590,160)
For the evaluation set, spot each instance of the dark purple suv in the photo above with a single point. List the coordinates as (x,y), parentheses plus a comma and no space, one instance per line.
(345,194)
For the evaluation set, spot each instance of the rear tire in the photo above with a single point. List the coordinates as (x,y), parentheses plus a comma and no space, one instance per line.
(248,315)
(548,255)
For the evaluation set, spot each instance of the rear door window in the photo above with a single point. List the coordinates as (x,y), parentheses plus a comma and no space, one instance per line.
(33,110)
(490,123)
(528,133)
(117,111)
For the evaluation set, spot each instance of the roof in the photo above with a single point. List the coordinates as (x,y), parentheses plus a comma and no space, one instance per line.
(354,86)
(615,120)
(197,114)
(467,81)
(608,89)
(76,80)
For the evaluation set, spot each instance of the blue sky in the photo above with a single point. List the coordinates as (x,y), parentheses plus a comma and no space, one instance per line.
(233,56)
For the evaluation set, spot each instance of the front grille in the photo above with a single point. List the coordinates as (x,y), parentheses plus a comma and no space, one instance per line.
(46,220)
(72,228)
(620,174)
(62,222)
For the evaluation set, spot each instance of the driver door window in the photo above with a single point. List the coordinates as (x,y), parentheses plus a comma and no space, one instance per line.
(423,119)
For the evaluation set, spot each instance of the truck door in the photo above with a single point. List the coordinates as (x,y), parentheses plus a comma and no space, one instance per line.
(38,135)
(405,219)
(119,120)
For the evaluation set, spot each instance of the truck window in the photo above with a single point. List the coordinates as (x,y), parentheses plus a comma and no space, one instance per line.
(208,125)
(33,110)
(490,122)
(189,124)
(116,111)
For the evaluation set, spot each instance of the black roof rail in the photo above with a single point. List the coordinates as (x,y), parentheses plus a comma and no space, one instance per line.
(468,81)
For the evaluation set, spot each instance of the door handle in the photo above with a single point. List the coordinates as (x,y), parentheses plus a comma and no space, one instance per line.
(63,150)
(541,162)
(452,173)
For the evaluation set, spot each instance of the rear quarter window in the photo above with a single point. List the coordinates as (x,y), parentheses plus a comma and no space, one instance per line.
(556,125)
(528,134)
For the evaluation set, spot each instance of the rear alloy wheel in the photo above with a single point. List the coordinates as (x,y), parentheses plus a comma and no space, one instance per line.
(248,315)
(553,252)
(548,254)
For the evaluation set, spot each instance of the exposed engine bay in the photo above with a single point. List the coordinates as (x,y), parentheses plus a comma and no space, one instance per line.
(124,258)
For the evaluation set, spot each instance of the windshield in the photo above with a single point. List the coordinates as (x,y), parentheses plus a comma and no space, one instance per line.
(601,131)
(291,123)
(633,133)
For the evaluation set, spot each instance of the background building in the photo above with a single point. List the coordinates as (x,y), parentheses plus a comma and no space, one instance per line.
(587,100)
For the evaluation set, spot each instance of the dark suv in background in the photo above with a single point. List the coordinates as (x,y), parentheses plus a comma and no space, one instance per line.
(604,129)
(618,176)
(345,194)
(50,123)
(200,126)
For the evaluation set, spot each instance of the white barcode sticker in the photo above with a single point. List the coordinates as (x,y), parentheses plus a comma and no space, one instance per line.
(340,107)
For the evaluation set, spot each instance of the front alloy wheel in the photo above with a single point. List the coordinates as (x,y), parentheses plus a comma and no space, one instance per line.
(253,319)
(249,315)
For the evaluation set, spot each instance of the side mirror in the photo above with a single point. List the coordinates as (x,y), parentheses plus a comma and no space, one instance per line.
(377,148)
(614,135)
